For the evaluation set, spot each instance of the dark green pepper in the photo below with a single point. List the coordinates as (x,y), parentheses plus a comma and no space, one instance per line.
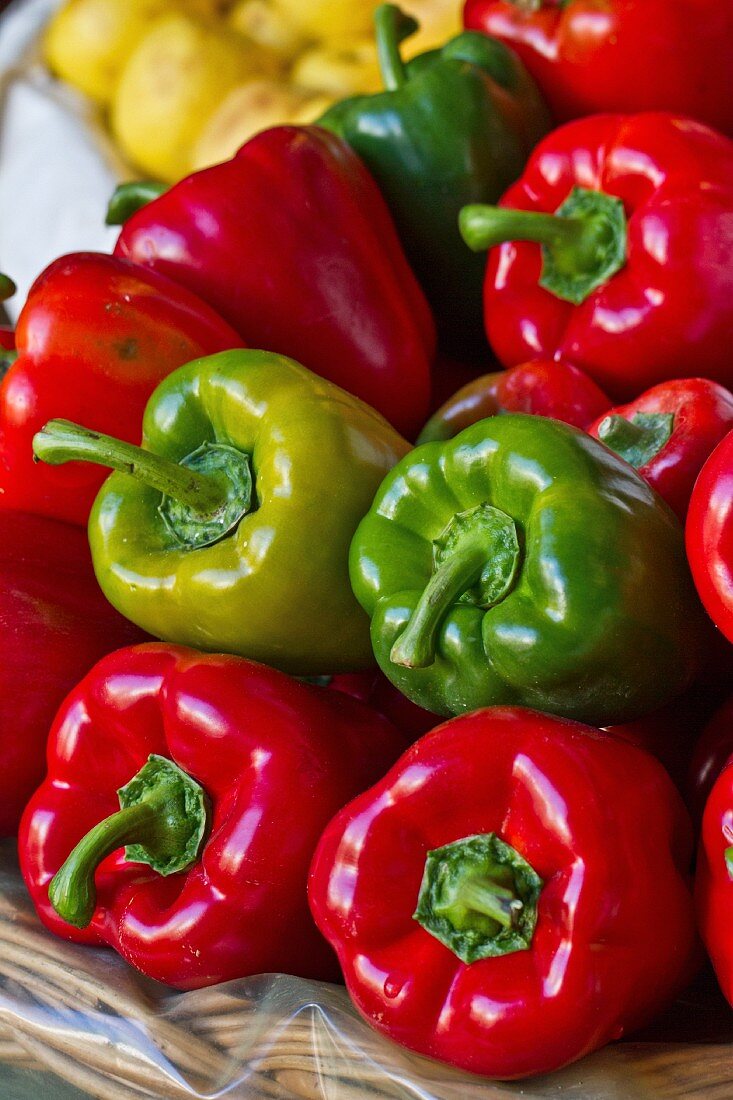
(523,563)
(454,126)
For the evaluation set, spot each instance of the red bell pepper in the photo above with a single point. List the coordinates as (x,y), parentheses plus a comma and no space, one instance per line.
(633,281)
(714,879)
(710,755)
(227,773)
(292,242)
(668,434)
(593,56)
(543,388)
(95,337)
(512,895)
(54,625)
(375,690)
(709,536)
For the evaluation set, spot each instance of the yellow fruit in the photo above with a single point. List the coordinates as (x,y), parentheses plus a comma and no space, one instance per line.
(246,111)
(175,78)
(340,71)
(264,24)
(88,41)
(439,21)
(312,110)
(329,20)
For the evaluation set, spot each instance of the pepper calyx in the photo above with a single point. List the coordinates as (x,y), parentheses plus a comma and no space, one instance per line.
(639,439)
(476,560)
(584,243)
(162,821)
(226,467)
(479,897)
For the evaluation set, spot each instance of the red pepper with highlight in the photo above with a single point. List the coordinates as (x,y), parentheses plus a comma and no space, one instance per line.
(709,536)
(612,251)
(184,799)
(541,387)
(710,755)
(54,625)
(669,433)
(291,241)
(714,879)
(594,56)
(95,337)
(495,900)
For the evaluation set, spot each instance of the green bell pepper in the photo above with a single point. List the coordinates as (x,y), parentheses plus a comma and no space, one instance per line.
(454,126)
(230,528)
(523,563)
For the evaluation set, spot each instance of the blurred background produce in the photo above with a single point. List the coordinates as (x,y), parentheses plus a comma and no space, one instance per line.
(181,84)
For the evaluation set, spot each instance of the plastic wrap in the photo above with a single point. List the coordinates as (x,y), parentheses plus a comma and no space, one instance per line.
(102,1028)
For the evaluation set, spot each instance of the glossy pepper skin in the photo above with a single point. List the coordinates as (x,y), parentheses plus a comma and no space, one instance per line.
(524,563)
(95,337)
(709,536)
(668,434)
(54,625)
(287,464)
(714,879)
(594,56)
(580,961)
(629,280)
(453,126)
(375,690)
(275,759)
(541,388)
(293,244)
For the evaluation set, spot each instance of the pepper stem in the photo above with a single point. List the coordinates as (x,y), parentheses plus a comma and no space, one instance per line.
(62,441)
(7,287)
(638,440)
(130,197)
(162,822)
(392,27)
(479,897)
(478,551)
(583,242)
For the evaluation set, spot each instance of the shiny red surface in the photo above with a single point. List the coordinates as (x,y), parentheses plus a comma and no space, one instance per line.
(600,822)
(671,305)
(54,625)
(96,336)
(703,415)
(713,881)
(293,244)
(709,536)
(591,56)
(277,759)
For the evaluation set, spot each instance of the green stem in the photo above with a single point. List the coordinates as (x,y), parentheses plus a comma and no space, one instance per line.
(484,227)
(496,902)
(392,27)
(7,287)
(128,198)
(638,440)
(479,897)
(415,648)
(162,822)
(728,854)
(62,441)
(584,243)
(7,358)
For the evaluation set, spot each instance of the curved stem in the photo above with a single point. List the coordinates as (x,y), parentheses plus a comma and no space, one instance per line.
(484,227)
(162,822)
(638,440)
(415,648)
(62,441)
(128,198)
(484,896)
(72,892)
(392,27)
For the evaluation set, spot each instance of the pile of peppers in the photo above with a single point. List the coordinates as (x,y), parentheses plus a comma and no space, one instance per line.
(412,591)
